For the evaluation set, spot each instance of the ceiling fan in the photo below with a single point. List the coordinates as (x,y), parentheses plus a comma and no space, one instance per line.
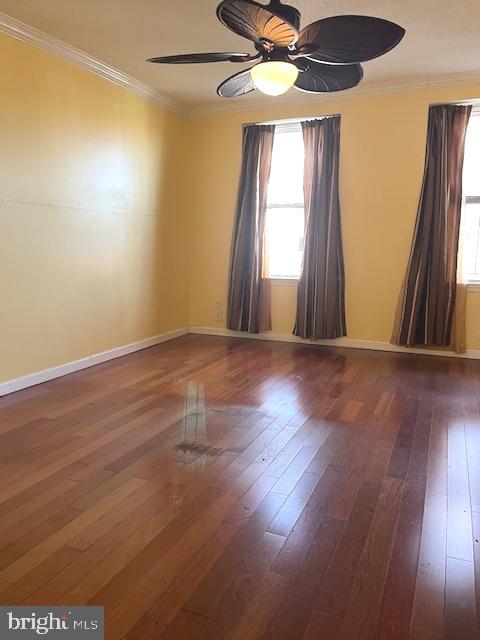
(322,57)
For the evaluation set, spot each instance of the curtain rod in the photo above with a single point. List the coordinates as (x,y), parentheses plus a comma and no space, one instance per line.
(460,103)
(473,101)
(291,120)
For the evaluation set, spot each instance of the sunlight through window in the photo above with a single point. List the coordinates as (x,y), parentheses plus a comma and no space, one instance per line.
(471,192)
(285,223)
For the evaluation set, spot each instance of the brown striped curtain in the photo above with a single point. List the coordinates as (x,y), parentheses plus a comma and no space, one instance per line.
(427,304)
(248,291)
(321,287)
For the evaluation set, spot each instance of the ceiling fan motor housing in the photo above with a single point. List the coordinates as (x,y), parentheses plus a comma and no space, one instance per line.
(277,54)
(288,13)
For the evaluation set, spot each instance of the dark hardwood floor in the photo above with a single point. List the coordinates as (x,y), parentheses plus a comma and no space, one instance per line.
(220,489)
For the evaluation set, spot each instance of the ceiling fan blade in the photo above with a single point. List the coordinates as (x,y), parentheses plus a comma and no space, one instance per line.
(316,77)
(196,58)
(255,22)
(348,39)
(237,85)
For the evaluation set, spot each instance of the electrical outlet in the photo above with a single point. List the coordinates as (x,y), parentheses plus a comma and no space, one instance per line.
(218,311)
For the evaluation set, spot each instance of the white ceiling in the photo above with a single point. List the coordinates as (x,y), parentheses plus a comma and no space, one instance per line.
(442,37)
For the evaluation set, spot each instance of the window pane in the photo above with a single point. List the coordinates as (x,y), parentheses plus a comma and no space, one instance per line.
(284,239)
(470,227)
(286,177)
(471,167)
(471,238)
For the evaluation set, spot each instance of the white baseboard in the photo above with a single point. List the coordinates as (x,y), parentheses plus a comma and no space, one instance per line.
(33,379)
(70,367)
(473,354)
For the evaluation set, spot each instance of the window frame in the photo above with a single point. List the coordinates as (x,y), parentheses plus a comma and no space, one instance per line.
(282,129)
(473,284)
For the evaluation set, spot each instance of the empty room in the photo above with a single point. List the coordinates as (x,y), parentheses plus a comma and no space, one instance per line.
(240,320)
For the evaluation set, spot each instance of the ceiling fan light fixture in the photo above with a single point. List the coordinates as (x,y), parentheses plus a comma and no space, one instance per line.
(274,77)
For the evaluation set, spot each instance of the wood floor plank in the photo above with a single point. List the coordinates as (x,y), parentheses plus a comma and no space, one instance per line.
(472,437)
(261,609)
(301,536)
(187,625)
(334,594)
(127,607)
(403,444)
(217,488)
(110,553)
(131,559)
(39,575)
(243,588)
(206,596)
(146,629)
(429,599)
(361,616)
(170,604)
(476,555)
(399,590)
(459,520)
(460,614)
(63,534)
(294,612)
(323,626)
(293,506)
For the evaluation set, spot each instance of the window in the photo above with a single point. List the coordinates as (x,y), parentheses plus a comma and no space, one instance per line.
(285,220)
(470,230)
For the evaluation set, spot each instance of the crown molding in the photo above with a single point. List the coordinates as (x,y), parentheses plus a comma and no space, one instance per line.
(12,27)
(364,90)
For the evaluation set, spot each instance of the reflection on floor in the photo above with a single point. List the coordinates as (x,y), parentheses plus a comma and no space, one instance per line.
(233,489)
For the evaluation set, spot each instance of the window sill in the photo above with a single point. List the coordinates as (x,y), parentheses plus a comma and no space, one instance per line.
(474,287)
(280,282)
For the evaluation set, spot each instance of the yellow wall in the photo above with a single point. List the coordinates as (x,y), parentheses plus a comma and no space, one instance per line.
(102,244)
(381,167)
(92,231)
